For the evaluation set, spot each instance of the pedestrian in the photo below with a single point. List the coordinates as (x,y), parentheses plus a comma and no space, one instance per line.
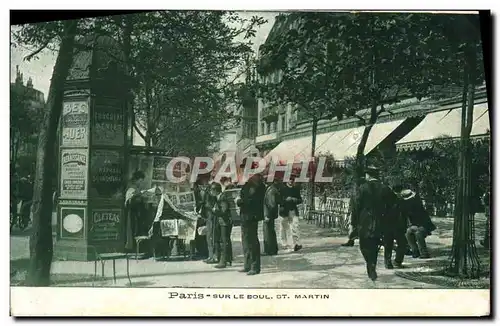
(199,249)
(353,230)
(368,214)
(419,222)
(486,202)
(251,203)
(135,208)
(272,201)
(212,228)
(394,229)
(222,211)
(289,215)
(226,183)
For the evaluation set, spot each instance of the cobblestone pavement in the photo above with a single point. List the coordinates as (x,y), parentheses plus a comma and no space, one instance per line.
(322,263)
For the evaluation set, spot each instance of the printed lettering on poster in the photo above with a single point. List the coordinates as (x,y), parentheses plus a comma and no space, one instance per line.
(75,121)
(74,169)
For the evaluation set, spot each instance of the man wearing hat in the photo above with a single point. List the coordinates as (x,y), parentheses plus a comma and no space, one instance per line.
(251,203)
(371,209)
(419,222)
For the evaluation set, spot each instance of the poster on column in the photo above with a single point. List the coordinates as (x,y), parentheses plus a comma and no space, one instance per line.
(107,174)
(108,127)
(75,120)
(74,173)
(105,224)
(73,222)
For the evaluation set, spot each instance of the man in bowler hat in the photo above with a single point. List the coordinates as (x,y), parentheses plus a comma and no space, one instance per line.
(372,207)
(251,203)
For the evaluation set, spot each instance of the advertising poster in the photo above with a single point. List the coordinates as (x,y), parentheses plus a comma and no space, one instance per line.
(72,222)
(108,126)
(105,224)
(74,169)
(75,122)
(107,174)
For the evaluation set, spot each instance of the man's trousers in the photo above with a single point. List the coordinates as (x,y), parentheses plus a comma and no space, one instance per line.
(270,240)
(251,245)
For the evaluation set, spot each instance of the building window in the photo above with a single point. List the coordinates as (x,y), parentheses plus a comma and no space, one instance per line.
(263,128)
(283,122)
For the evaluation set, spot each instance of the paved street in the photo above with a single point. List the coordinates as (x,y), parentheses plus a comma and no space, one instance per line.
(323,263)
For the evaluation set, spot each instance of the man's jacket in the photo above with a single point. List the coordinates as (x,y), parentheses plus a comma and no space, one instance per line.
(416,213)
(222,209)
(251,201)
(272,201)
(372,207)
(288,206)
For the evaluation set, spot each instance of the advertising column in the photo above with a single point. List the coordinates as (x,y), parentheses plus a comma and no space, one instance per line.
(107,180)
(73,176)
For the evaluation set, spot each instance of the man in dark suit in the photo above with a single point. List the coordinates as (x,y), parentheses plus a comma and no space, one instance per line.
(368,214)
(419,222)
(251,203)
(272,201)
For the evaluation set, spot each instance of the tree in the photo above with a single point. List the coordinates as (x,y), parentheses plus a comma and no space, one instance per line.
(464,259)
(43,35)
(298,69)
(341,64)
(186,65)
(24,122)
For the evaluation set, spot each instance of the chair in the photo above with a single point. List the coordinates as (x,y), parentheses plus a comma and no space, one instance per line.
(103,257)
(138,241)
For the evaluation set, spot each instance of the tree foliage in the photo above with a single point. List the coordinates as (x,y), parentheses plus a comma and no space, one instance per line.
(339,64)
(185,65)
(24,125)
(61,35)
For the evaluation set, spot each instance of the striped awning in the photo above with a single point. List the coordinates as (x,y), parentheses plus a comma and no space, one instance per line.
(445,125)
(340,144)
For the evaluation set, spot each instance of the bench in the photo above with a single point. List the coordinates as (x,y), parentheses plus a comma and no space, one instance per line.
(103,257)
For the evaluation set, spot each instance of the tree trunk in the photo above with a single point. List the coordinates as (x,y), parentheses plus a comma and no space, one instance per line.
(360,153)
(464,259)
(41,249)
(127,50)
(313,153)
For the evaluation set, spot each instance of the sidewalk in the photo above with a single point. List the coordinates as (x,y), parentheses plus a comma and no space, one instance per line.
(322,263)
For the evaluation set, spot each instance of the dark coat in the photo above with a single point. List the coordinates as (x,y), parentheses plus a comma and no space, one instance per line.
(251,201)
(416,213)
(371,209)
(272,201)
(222,209)
(288,206)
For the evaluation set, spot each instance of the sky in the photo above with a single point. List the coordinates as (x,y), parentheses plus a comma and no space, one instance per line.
(41,70)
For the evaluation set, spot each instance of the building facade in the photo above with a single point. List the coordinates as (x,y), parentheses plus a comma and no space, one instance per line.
(33,101)
(285,132)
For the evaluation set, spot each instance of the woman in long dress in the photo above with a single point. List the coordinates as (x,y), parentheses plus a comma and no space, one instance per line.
(135,208)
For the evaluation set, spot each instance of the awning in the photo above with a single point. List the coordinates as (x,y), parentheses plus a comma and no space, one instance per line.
(445,124)
(340,144)
(251,151)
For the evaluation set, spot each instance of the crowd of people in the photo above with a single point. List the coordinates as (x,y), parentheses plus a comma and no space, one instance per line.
(381,215)
(256,202)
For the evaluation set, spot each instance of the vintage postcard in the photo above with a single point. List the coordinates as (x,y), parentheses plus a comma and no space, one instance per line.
(237,163)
